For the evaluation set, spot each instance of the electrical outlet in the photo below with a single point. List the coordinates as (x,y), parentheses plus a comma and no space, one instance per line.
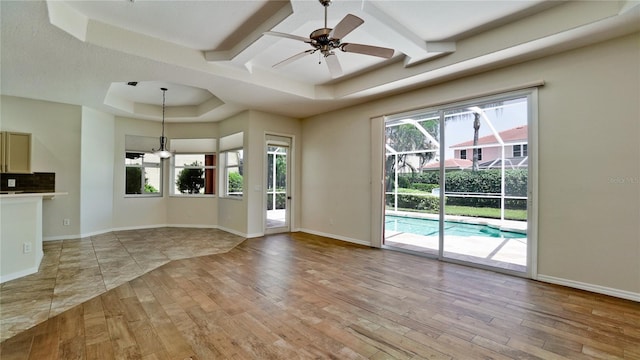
(11,183)
(26,247)
(66,222)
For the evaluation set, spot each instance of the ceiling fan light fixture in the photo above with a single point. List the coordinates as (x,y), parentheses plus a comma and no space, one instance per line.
(327,39)
(163,152)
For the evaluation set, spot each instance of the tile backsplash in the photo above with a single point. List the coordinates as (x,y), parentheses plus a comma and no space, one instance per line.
(36,182)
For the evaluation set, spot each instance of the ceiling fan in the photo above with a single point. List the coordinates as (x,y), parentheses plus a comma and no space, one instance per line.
(326,40)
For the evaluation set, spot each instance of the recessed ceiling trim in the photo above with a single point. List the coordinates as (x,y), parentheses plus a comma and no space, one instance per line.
(111,37)
(574,38)
(241,46)
(68,19)
(404,40)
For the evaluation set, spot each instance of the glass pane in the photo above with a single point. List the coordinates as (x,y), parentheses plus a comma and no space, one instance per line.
(152,180)
(189,181)
(234,158)
(270,172)
(133,158)
(412,183)
(277,186)
(485,193)
(133,180)
(182,160)
(234,181)
(151,159)
(281,172)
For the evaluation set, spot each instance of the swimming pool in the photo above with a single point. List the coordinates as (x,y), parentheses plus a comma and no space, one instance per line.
(429,227)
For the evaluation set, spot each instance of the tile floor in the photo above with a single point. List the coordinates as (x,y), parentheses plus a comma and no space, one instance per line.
(73,271)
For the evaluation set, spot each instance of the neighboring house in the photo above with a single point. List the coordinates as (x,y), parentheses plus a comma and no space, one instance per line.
(489,150)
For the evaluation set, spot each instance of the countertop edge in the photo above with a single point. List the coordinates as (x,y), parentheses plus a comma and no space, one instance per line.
(47,195)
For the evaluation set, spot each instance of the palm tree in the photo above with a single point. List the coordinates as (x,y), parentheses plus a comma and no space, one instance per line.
(476,130)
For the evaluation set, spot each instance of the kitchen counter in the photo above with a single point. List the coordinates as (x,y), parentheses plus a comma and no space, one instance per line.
(22,194)
(21,233)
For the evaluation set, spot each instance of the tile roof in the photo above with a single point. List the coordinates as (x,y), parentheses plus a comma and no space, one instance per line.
(508,136)
(450,164)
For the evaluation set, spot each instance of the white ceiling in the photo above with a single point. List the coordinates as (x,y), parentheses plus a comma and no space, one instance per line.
(215,60)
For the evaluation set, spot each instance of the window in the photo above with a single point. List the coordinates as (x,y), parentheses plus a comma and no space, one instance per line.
(463,154)
(519,150)
(194,174)
(232,163)
(193,170)
(233,173)
(143,174)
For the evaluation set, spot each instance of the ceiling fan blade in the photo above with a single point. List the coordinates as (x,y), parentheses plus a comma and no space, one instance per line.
(368,50)
(334,65)
(288,36)
(345,26)
(293,58)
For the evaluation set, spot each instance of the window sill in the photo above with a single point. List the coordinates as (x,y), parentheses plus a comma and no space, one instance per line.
(187,196)
(232,198)
(141,196)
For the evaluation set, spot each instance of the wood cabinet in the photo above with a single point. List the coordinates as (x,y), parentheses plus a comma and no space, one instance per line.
(15,152)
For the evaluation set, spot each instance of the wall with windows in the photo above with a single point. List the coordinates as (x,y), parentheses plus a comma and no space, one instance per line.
(192,210)
(589,173)
(96,171)
(132,212)
(232,212)
(55,147)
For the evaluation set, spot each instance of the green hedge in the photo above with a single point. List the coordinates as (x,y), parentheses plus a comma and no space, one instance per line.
(416,200)
(281,199)
(484,181)
(424,187)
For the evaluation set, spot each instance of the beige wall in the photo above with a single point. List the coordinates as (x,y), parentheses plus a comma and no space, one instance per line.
(55,147)
(589,138)
(96,172)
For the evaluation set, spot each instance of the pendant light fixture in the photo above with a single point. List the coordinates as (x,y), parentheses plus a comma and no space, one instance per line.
(163,152)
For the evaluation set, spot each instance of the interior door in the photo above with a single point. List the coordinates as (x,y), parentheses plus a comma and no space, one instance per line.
(277,177)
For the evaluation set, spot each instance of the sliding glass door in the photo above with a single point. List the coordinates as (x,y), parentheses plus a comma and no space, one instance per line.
(457,182)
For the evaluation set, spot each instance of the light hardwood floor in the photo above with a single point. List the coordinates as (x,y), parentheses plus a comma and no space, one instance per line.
(302,296)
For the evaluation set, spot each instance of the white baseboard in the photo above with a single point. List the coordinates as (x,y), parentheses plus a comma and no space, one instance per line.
(234,232)
(337,237)
(61,237)
(18,274)
(195,226)
(623,294)
(126,228)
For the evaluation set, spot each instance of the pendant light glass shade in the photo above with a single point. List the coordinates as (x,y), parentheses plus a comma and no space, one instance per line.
(163,152)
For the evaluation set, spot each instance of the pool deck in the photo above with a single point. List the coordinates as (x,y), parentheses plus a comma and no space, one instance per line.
(508,254)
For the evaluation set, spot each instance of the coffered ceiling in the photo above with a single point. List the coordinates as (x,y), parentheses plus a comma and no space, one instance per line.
(216,61)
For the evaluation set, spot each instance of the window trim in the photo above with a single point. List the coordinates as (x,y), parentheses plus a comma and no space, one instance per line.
(142,166)
(224,183)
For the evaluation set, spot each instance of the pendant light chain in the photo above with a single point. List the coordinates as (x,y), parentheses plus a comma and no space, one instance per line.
(164,91)
(163,152)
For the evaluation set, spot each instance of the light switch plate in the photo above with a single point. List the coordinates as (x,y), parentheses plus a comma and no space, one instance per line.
(11,183)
